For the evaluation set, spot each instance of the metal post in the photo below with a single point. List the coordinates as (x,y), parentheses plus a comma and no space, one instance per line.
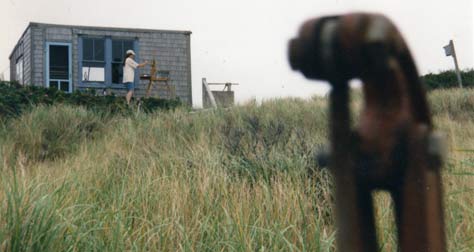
(458,72)
(450,51)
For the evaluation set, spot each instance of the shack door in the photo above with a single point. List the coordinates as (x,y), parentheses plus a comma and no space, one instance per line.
(58,66)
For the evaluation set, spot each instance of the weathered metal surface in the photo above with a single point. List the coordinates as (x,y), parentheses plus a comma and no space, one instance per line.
(393,148)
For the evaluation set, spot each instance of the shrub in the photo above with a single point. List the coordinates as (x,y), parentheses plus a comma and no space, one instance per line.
(261,142)
(47,133)
(15,98)
(448,79)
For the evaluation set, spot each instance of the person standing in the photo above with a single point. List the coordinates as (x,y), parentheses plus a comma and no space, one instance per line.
(129,66)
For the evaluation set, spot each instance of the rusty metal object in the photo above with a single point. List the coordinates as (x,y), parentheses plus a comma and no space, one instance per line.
(393,146)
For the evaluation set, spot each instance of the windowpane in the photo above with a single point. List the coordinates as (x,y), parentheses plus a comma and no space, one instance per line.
(93,49)
(58,72)
(117,73)
(64,86)
(93,73)
(88,49)
(94,62)
(58,62)
(127,45)
(59,55)
(19,71)
(54,84)
(117,51)
(99,49)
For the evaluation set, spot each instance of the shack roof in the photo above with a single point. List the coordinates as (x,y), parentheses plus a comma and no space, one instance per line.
(98,28)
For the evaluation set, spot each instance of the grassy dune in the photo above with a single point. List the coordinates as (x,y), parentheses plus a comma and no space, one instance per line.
(234,180)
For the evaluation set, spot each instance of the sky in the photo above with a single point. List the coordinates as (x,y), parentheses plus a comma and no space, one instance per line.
(246,41)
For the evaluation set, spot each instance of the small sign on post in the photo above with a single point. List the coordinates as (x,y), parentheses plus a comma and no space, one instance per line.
(449,51)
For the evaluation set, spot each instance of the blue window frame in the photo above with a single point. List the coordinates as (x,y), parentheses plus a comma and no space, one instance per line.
(58,66)
(101,59)
(119,49)
(93,60)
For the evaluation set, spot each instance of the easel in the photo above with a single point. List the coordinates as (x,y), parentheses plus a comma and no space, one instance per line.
(161,79)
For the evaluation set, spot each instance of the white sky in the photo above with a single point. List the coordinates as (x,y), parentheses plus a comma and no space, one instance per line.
(245,41)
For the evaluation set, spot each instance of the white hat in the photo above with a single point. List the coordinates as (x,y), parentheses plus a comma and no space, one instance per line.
(131,52)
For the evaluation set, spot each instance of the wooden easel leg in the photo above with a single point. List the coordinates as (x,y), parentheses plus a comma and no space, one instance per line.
(148,89)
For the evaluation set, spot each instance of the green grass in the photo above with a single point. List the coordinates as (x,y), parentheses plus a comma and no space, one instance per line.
(222,180)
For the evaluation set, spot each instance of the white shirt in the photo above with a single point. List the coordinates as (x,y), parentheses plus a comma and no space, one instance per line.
(129,70)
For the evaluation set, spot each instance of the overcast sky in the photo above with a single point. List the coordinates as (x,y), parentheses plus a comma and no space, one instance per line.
(245,41)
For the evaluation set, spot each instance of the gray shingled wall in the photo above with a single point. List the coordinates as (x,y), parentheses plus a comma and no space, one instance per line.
(38,55)
(12,70)
(26,40)
(27,57)
(171,49)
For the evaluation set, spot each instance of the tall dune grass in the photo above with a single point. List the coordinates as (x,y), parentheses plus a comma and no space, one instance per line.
(242,179)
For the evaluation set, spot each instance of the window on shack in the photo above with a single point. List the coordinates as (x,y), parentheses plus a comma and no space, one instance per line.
(19,64)
(101,59)
(93,60)
(19,70)
(119,49)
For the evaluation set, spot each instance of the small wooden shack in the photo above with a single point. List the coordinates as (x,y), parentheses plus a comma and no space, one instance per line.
(72,58)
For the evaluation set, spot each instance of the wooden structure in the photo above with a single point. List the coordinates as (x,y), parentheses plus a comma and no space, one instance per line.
(207,94)
(160,79)
(79,58)
(227,85)
(224,98)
